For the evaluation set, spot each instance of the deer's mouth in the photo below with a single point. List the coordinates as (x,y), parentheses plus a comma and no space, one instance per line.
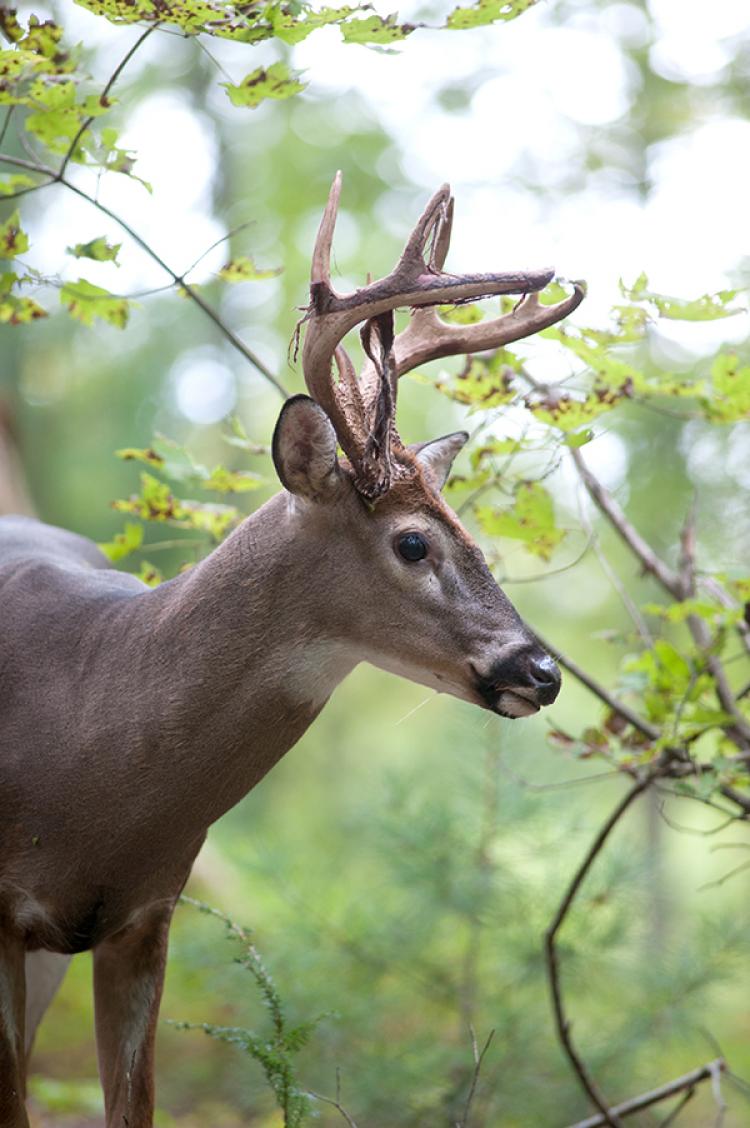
(518,701)
(512,703)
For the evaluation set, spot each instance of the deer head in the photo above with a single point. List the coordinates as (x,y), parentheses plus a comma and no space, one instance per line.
(413,593)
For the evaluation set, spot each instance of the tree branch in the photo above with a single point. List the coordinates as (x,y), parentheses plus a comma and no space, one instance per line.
(104,95)
(55,177)
(633,539)
(562,1022)
(599,691)
(478,1059)
(680,1084)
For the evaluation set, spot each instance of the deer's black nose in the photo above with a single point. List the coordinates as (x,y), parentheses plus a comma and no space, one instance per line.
(544,675)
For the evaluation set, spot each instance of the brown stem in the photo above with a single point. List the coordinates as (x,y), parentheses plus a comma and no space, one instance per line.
(103,97)
(599,691)
(633,539)
(562,1022)
(177,279)
(680,1084)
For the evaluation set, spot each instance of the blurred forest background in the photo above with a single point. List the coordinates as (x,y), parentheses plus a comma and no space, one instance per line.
(399,868)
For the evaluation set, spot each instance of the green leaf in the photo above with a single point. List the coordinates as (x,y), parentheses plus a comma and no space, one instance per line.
(730,383)
(156,502)
(232,481)
(291,30)
(129,540)
(13,241)
(97,249)
(708,307)
(243,269)
(85,302)
(531,519)
(487,12)
(376,29)
(483,382)
(19,311)
(569,414)
(276,81)
(461,314)
(11,184)
(141,454)
(149,574)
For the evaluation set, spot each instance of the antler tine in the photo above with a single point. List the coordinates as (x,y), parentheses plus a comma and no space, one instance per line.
(431,218)
(442,240)
(362,414)
(321,259)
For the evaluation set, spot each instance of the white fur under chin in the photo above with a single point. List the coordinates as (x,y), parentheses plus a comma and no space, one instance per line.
(514,705)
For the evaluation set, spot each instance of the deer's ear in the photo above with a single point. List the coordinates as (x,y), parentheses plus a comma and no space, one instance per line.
(436,457)
(304,450)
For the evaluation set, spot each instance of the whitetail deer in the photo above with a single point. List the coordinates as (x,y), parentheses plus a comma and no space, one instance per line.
(131,718)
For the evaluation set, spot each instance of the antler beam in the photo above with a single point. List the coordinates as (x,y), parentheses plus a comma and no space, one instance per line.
(363,412)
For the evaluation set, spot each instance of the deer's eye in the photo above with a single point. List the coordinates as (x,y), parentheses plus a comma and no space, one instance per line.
(412,547)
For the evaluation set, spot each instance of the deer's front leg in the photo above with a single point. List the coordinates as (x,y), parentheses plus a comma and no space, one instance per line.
(12,1057)
(128,980)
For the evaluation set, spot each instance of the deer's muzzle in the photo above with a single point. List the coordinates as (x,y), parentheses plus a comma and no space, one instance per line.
(519,685)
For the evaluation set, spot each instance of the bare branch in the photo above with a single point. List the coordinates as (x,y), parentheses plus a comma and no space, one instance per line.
(609,1116)
(177,279)
(335,1102)
(633,539)
(680,1085)
(599,691)
(478,1059)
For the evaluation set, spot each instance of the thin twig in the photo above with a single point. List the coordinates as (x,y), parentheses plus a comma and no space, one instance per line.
(672,1116)
(715,1069)
(177,279)
(103,97)
(630,606)
(612,511)
(335,1102)
(6,123)
(478,1059)
(599,691)
(720,880)
(636,1104)
(562,1022)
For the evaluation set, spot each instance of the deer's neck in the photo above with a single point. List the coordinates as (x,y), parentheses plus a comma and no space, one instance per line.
(235,660)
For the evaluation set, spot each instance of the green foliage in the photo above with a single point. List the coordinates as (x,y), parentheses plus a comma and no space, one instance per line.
(486,12)
(274,1050)
(376,29)
(129,540)
(276,81)
(243,269)
(86,302)
(156,502)
(483,382)
(13,241)
(530,519)
(16,310)
(709,307)
(97,249)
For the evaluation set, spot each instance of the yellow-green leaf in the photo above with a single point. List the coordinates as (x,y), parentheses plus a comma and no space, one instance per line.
(461,314)
(129,540)
(13,240)
(276,81)
(376,29)
(243,269)
(85,302)
(487,12)
(530,519)
(97,249)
